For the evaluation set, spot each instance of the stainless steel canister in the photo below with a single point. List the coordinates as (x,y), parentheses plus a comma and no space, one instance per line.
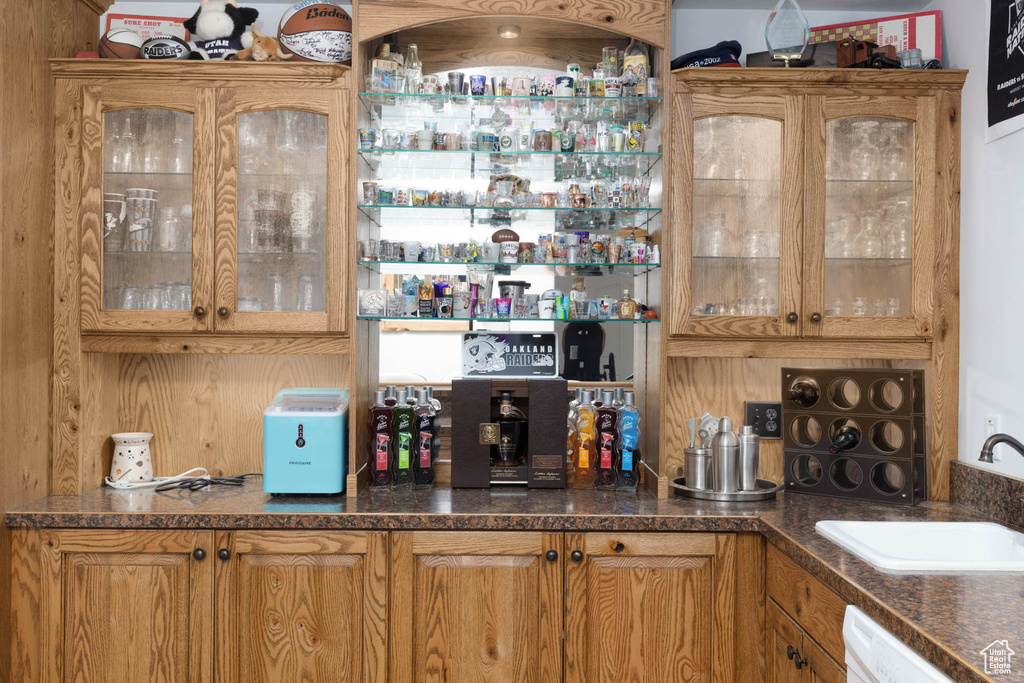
(750,445)
(725,458)
(698,468)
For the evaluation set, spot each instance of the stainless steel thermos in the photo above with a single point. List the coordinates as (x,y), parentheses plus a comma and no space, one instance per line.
(698,468)
(749,454)
(725,458)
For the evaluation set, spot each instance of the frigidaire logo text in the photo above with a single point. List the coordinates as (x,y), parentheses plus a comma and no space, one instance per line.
(300,462)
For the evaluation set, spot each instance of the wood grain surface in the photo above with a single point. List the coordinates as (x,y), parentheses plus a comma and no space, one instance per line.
(475,606)
(208,409)
(650,607)
(781,634)
(211,73)
(29,138)
(818,610)
(644,19)
(302,606)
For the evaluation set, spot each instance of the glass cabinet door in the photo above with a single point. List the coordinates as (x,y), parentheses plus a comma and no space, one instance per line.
(277,265)
(867,252)
(738,222)
(138,270)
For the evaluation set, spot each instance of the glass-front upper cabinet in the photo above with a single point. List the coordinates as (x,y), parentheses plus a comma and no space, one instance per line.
(280,211)
(737,202)
(868,249)
(148,211)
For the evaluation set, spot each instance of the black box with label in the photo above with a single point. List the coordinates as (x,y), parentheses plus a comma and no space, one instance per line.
(544,403)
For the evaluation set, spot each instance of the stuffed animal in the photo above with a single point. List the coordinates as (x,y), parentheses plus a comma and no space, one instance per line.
(221,29)
(264,49)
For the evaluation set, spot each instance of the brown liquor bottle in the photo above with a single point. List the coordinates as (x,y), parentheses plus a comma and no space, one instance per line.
(381,450)
(586,438)
(607,442)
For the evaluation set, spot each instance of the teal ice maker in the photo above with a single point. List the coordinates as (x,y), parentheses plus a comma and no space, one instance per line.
(304,441)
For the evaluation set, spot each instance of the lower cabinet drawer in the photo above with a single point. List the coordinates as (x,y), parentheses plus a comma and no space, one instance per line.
(816,608)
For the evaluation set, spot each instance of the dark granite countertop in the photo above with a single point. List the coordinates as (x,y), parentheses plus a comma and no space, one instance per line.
(949,619)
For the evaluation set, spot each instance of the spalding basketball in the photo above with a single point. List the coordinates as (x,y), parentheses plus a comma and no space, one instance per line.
(316,31)
(165,47)
(120,43)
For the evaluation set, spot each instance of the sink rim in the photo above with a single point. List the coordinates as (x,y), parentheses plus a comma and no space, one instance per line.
(895,564)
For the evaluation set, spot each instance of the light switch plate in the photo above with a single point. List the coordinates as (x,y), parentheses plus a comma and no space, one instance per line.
(765,417)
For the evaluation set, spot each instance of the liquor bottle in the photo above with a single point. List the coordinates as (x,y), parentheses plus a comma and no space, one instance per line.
(570,427)
(383,70)
(627,462)
(627,307)
(405,438)
(636,66)
(413,69)
(618,401)
(585,443)
(804,392)
(578,298)
(846,438)
(435,405)
(607,442)
(389,395)
(381,450)
(423,463)
(510,451)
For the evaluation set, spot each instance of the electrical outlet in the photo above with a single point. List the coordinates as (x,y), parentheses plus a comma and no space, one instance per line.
(765,417)
(993,424)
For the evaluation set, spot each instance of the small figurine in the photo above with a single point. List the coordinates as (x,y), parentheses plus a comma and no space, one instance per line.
(264,49)
(221,29)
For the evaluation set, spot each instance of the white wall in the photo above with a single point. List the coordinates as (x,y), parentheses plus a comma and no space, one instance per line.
(991,244)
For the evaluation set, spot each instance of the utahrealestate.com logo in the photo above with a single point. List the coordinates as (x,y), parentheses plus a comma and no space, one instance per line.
(997,658)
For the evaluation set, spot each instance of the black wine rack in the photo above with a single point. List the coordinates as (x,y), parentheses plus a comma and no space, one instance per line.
(885,406)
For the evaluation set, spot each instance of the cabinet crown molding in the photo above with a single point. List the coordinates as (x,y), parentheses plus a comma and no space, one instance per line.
(192,72)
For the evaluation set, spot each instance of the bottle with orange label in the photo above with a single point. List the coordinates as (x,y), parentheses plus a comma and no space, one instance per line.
(586,441)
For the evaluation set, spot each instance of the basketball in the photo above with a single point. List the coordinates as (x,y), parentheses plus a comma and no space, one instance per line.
(165,47)
(120,43)
(316,31)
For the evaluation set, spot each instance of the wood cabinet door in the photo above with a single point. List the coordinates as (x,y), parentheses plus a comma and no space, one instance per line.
(127,605)
(649,607)
(282,252)
(738,214)
(783,639)
(297,606)
(871,215)
(820,667)
(146,208)
(476,606)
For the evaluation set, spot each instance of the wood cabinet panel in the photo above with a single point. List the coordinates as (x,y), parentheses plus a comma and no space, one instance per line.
(820,667)
(818,610)
(301,606)
(649,607)
(127,606)
(476,606)
(781,634)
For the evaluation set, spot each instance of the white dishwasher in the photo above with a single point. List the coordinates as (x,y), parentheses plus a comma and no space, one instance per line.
(873,655)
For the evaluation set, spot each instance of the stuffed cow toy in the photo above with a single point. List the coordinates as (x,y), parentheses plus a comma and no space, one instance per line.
(220,29)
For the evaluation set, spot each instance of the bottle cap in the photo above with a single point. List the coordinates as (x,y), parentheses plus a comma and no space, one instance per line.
(430,392)
(628,398)
(618,393)
(606,396)
(747,430)
(378,398)
(579,394)
(588,396)
(506,396)
(725,425)
(390,393)
(423,398)
(410,390)
(401,396)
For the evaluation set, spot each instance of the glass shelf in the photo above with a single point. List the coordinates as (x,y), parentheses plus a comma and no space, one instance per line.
(508,320)
(301,254)
(599,220)
(580,269)
(529,152)
(491,99)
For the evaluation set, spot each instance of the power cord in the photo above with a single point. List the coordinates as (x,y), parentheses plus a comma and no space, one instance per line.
(199,483)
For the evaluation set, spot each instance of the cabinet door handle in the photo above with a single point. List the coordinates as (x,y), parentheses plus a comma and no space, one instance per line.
(792,317)
(224,554)
(551,555)
(199,311)
(199,554)
(576,556)
(618,547)
(815,317)
(223,311)
(794,654)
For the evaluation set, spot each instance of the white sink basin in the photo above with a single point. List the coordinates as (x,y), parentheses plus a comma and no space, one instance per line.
(924,547)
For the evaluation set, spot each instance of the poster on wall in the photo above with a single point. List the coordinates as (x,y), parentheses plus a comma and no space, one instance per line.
(147,26)
(1005,68)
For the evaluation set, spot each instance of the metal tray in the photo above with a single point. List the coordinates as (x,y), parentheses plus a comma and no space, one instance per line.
(766,490)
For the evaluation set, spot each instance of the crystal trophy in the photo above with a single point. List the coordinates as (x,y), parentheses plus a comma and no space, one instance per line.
(787,32)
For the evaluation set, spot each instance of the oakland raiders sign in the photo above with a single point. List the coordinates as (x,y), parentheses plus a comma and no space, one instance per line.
(1005,68)
(509,354)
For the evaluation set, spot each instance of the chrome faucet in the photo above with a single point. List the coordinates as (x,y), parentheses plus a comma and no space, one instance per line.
(996,439)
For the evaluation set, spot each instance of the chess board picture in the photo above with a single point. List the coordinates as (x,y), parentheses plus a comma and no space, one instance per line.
(921,30)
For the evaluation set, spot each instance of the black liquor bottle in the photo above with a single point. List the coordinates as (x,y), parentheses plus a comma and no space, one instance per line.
(381,450)
(607,442)
(846,438)
(423,463)
(510,451)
